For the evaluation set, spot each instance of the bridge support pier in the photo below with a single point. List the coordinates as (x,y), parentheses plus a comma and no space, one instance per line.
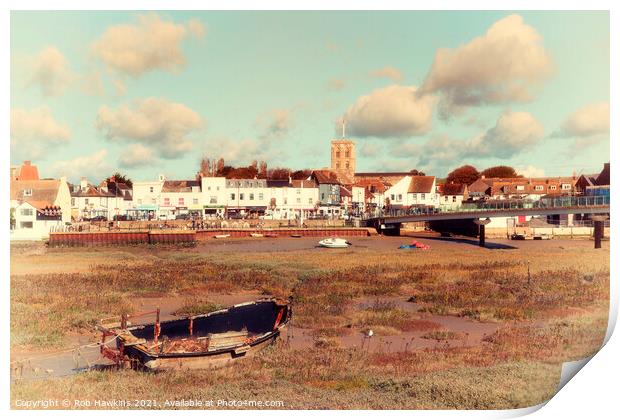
(599,230)
(481,228)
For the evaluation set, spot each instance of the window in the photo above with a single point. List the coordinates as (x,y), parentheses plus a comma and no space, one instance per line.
(251,196)
(28,192)
(454,198)
(392,197)
(194,201)
(337,154)
(310,201)
(337,165)
(167,201)
(181,201)
(322,196)
(553,187)
(217,188)
(298,190)
(346,154)
(346,164)
(240,196)
(232,196)
(151,189)
(26,212)
(153,201)
(285,200)
(539,187)
(400,197)
(260,196)
(446,198)
(520,187)
(423,196)
(213,199)
(25,225)
(139,201)
(72,202)
(86,201)
(298,200)
(566,186)
(209,188)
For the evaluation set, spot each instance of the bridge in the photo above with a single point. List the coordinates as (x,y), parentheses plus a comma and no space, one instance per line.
(389,221)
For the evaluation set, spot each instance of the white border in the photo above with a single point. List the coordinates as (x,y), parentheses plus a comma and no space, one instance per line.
(594,392)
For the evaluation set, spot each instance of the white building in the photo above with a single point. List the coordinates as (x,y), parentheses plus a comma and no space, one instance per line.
(214,196)
(89,202)
(291,199)
(180,198)
(146,198)
(452,196)
(51,192)
(34,220)
(413,190)
(246,197)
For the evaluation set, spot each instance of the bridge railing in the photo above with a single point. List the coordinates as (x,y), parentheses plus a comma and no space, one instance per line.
(497,205)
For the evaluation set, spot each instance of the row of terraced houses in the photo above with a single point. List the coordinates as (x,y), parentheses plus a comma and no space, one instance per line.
(338,192)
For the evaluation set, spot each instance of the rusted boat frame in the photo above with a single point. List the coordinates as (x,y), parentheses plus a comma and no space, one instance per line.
(229,339)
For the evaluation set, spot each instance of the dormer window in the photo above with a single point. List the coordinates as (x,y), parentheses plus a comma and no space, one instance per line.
(28,192)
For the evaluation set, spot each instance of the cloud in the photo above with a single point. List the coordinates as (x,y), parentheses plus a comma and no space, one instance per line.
(92,84)
(34,131)
(150,44)
(136,155)
(274,124)
(393,111)
(154,122)
(513,133)
(49,71)
(92,166)
(530,171)
(388,72)
(507,64)
(370,150)
(335,84)
(242,152)
(588,121)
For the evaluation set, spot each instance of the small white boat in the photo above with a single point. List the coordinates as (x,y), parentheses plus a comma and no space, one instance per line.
(334,243)
(256,235)
(222,236)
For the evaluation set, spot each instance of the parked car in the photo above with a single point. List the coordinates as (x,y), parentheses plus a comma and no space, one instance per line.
(182,217)
(97,219)
(517,237)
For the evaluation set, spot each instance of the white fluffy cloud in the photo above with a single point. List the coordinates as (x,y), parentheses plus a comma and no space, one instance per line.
(370,150)
(513,133)
(136,155)
(507,64)
(393,111)
(530,171)
(154,122)
(241,152)
(588,121)
(274,124)
(92,166)
(50,72)
(34,131)
(388,72)
(152,43)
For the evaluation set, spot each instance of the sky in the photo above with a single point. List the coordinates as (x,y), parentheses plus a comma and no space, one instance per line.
(149,93)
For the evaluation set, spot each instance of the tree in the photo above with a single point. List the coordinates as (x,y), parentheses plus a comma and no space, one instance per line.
(205,166)
(119,178)
(415,172)
(278,173)
(500,172)
(464,175)
(301,174)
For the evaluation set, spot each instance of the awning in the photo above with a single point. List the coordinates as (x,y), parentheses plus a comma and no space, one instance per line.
(146,207)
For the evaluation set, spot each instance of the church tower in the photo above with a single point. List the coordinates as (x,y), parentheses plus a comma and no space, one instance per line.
(343,156)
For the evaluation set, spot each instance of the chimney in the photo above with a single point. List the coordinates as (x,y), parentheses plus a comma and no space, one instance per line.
(83,183)
(162,178)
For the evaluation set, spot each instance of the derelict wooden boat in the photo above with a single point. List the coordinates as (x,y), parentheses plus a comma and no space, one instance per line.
(224,236)
(197,342)
(256,235)
(296,235)
(270,235)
